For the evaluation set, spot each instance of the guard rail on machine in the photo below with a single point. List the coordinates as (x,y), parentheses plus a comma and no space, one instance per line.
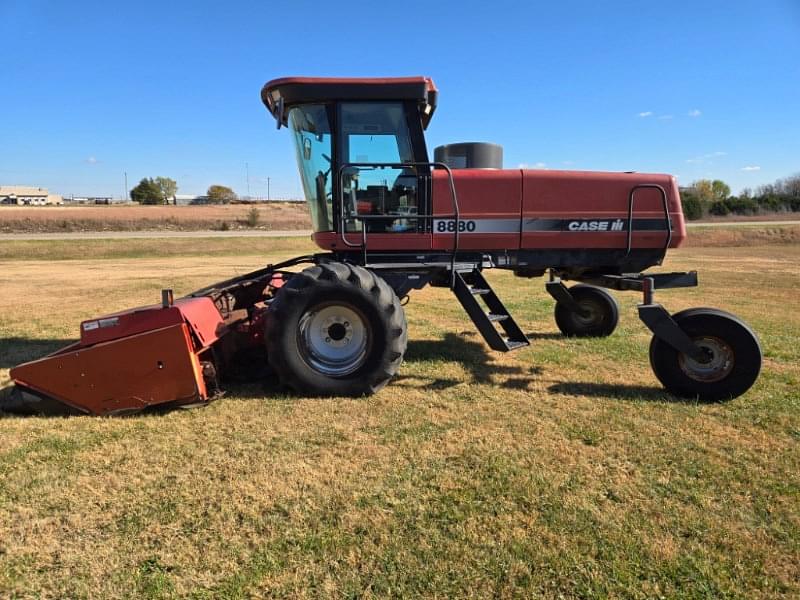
(344,218)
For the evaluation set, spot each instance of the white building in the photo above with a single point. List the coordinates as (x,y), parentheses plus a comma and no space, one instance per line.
(21,195)
(187,199)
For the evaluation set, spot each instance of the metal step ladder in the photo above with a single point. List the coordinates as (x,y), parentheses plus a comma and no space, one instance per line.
(469,287)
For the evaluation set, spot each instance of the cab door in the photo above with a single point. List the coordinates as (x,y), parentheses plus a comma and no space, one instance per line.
(383,188)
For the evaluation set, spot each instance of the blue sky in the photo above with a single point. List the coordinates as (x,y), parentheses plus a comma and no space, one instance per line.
(701,88)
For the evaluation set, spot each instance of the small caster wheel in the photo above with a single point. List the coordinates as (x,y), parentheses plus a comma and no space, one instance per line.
(733,357)
(598,317)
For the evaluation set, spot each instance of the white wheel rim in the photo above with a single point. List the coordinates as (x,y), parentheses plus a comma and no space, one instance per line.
(334,339)
(719,366)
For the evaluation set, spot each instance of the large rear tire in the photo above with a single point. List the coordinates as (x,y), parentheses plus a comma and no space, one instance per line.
(734,357)
(335,330)
(599,317)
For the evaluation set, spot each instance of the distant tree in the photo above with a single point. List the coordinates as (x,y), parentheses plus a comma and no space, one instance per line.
(781,196)
(147,192)
(692,207)
(703,190)
(253,217)
(791,186)
(168,187)
(741,206)
(766,190)
(719,208)
(220,194)
(720,190)
(708,191)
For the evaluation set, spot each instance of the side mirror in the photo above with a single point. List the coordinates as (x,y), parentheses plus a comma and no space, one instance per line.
(306,148)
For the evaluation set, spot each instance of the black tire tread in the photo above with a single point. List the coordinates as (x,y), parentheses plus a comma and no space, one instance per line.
(290,301)
(696,321)
(570,328)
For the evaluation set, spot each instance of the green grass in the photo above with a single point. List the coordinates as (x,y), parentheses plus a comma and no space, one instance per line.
(562,470)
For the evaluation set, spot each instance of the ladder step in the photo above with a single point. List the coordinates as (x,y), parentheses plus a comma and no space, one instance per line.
(513,344)
(496,326)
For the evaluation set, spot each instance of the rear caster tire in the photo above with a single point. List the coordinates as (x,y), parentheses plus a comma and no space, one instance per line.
(335,330)
(734,357)
(600,316)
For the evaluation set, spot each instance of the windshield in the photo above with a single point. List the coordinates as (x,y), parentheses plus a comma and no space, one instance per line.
(312,137)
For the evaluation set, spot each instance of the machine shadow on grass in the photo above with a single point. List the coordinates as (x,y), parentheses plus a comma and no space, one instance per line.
(16,350)
(470,354)
(618,391)
(473,357)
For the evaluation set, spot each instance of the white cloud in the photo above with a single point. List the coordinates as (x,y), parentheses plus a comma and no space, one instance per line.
(664,117)
(751,168)
(647,113)
(91,160)
(538,165)
(704,157)
(695,112)
(567,162)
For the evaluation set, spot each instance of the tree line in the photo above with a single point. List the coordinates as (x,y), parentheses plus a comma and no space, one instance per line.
(162,190)
(706,197)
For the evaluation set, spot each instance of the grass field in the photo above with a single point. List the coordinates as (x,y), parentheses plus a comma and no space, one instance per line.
(561,470)
(276,216)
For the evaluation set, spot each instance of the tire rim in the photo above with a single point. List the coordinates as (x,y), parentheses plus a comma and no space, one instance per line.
(592,314)
(334,339)
(719,365)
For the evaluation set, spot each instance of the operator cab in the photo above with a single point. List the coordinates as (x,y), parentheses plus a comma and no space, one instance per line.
(360,149)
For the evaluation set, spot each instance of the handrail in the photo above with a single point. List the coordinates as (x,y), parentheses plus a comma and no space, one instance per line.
(435,165)
(667,219)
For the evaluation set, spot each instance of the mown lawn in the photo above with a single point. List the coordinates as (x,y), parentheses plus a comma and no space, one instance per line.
(561,470)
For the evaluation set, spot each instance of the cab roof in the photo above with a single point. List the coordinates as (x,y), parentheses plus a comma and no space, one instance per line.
(279,95)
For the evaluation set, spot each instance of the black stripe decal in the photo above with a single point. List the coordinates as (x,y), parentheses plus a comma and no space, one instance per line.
(592,225)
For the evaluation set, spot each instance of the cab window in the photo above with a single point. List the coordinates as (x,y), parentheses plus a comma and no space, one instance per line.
(312,137)
(376,134)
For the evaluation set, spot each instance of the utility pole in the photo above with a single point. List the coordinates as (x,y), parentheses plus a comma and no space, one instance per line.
(126,187)
(268,189)
(247,176)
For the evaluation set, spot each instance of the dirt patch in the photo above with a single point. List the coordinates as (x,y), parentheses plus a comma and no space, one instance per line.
(717,237)
(51,219)
(764,216)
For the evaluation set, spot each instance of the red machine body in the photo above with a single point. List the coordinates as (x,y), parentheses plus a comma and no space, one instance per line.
(372,188)
(521,209)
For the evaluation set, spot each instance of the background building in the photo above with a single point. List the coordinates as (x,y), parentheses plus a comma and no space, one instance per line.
(187,199)
(21,195)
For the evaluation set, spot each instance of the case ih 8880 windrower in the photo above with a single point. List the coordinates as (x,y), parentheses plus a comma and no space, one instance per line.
(390,221)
